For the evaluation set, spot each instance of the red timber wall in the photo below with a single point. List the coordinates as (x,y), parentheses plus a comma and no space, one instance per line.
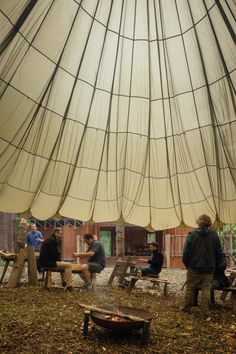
(173,243)
(172,240)
(69,238)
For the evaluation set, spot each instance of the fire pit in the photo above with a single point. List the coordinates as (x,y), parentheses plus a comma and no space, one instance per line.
(119,319)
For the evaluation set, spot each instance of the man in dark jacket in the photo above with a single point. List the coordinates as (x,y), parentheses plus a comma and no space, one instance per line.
(50,257)
(155,260)
(155,264)
(202,255)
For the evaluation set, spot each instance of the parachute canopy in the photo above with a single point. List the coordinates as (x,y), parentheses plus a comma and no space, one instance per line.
(118,110)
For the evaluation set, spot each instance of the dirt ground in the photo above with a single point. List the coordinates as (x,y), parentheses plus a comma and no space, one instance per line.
(34,320)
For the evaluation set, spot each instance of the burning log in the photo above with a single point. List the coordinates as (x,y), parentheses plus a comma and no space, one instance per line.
(113,314)
(123,320)
(118,319)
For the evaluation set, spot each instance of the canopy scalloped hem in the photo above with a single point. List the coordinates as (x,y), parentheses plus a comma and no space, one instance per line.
(118,108)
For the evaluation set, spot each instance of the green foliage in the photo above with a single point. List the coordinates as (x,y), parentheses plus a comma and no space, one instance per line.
(18,219)
(228,230)
(105,238)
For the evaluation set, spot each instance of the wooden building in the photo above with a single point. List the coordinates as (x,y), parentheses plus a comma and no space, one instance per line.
(123,239)
(120,239)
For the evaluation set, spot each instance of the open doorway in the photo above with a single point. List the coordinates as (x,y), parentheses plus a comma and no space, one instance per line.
(107,238)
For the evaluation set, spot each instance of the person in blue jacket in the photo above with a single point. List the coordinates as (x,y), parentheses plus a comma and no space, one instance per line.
(35,238)
(202,255)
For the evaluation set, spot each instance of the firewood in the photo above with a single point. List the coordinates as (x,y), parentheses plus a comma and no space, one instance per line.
(32,266)
(111,313)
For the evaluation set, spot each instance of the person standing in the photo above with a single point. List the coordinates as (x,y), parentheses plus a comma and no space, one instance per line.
(35,238)
(96,259)
(202,256)
(50,257)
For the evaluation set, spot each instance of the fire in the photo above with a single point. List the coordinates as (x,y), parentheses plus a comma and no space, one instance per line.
(116,319)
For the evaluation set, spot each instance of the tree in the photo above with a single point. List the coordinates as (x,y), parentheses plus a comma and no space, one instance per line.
(8,238)
(227,234)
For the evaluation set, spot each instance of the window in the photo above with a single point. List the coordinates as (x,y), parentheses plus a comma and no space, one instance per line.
(151,238)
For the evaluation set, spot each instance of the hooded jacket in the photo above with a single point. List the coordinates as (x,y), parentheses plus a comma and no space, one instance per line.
(203,251)
(156,261)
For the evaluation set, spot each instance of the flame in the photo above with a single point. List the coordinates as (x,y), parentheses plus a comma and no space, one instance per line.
(118,319)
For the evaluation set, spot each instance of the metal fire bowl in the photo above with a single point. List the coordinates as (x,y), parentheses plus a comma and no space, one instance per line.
(101,320)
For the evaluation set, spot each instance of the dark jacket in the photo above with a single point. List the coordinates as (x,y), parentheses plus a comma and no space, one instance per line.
(156,261)
(202,251)
(49,254)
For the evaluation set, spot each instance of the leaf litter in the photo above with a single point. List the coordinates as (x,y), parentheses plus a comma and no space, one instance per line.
(34,320)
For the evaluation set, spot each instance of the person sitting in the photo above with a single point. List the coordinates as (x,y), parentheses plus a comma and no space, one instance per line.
(219,281)
(155,262)
(96,259)
(49,257)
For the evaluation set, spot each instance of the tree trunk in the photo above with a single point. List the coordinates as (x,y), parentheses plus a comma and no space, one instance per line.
(17,269)
(120,240)
(32,266)
(8,232)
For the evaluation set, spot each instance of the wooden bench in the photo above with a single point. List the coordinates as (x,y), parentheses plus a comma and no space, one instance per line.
(224,293)
(154,279)
(48,276)
(231,289)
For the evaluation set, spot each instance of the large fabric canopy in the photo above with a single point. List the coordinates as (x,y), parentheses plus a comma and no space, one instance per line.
(118,110)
